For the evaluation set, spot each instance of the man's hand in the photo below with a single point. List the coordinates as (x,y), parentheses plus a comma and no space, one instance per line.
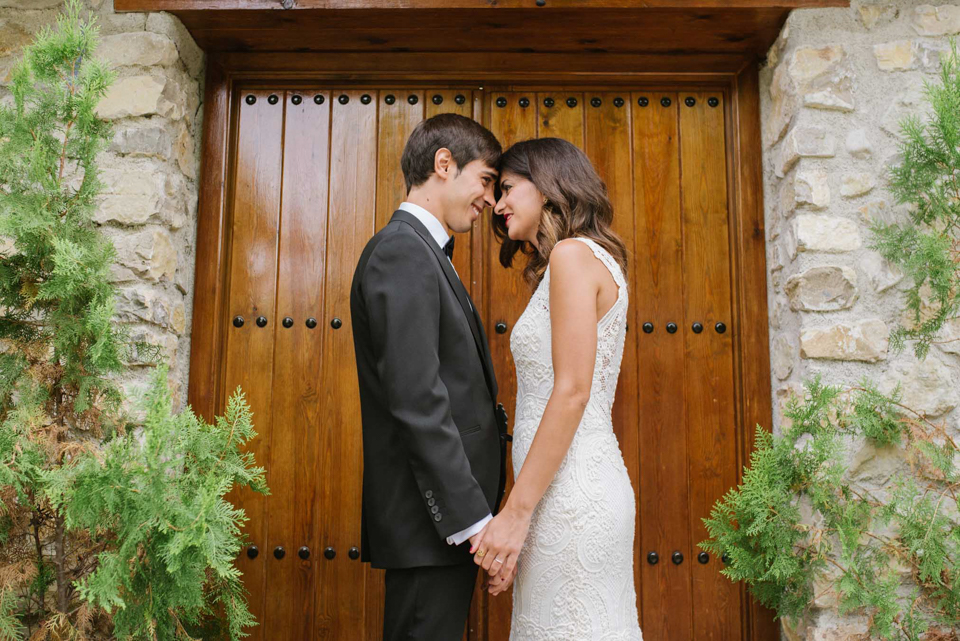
(476,538)
(500,583)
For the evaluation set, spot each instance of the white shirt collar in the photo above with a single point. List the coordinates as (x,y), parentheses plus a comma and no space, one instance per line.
(434,226)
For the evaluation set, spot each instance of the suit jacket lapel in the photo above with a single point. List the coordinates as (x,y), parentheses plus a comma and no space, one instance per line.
(472,318)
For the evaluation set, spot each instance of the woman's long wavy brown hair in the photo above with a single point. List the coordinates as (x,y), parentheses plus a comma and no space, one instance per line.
(577,203)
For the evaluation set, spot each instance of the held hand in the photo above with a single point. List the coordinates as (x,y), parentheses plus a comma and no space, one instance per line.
(498,547)
(500,583)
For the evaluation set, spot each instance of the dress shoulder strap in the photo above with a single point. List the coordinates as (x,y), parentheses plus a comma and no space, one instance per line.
(604,257)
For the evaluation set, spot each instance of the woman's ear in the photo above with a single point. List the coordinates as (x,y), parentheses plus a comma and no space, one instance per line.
(443,163)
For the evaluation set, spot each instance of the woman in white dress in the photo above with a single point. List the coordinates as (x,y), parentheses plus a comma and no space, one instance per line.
(566,531)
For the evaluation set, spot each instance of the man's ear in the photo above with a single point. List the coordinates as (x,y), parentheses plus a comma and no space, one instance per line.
(443,163)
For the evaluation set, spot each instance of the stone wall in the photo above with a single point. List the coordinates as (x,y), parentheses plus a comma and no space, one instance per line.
(833,88)
(149,206)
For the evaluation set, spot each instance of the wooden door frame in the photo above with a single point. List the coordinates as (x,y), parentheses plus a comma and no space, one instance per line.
(224,71)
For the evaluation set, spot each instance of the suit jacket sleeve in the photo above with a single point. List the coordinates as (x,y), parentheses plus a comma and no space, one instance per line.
(401,291)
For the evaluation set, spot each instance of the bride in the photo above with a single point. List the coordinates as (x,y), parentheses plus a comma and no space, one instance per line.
(572,508)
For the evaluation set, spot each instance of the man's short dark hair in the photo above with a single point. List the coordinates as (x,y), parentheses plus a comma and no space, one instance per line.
(466,139)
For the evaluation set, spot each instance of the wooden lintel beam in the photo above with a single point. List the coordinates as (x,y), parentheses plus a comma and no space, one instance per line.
(492,5)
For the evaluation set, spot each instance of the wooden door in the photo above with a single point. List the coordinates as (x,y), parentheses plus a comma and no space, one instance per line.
(316,171)
(663,158)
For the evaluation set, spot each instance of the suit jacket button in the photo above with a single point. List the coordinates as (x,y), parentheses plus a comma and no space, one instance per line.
(437,517)
(431,502)
(435,509)
(428,494)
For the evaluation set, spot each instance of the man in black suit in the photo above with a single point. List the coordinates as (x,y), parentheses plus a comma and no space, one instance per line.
(434,440)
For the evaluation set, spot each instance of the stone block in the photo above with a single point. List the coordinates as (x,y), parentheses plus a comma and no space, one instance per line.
(150,254)
(929,386)
(873,14)
(167,24)
(824,77)
(143,138)
(857,184)
(942,20)
(804,142)
(811,187)
(880,273)
(784,355)
(826,233)
(865,340)
(899,55)
(133,96)
(142,48)
(823,289)
(858,144)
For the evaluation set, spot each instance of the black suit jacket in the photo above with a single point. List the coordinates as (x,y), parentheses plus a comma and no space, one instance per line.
(434,441)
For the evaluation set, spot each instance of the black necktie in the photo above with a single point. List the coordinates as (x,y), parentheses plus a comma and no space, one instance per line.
(448,248)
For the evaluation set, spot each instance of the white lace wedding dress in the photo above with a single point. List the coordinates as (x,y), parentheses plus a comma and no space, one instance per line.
(575,579)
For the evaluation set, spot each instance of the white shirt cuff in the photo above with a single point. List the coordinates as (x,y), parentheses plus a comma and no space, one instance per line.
(463,535)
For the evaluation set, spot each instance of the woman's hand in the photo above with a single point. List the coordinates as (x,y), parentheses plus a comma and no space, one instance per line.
(498,547)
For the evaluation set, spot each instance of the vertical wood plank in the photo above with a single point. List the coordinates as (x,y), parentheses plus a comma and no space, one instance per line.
(208,326)
(712,459)
(252,293)
(505,296)
(294,504)
(353,152)
(397,120)
(663,510)
(561,120)
(608,143)
(750,287)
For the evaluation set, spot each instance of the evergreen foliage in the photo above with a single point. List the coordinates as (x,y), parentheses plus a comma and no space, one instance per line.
(797,522)
(100,524)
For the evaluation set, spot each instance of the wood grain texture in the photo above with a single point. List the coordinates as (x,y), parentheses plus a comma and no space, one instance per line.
(748,239)
(208,292)
(353,153)
(499,5)
(664,435)
(609,145)
(599,70)
(505,297)
(254,230)
(709,387)
(664,31)
(396,121)
(294,506)
(663,449)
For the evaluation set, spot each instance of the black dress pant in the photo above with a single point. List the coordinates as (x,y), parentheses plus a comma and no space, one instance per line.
(428,603)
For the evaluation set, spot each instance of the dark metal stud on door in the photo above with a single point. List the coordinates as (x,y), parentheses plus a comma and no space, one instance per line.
(261,321)
(672,328)
(279,552)
(653,558)
(354,553)
(703,558)
(296,100)
(273,99)
(238,321)
(329,553)
(311,322)
(304,553)
(720,327)
(677,558)
(697,328)
(501,327)
(287,322)
(647,328)
(253,552)
(336,323)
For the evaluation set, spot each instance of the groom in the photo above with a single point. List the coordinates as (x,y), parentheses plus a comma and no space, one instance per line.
(434,439)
